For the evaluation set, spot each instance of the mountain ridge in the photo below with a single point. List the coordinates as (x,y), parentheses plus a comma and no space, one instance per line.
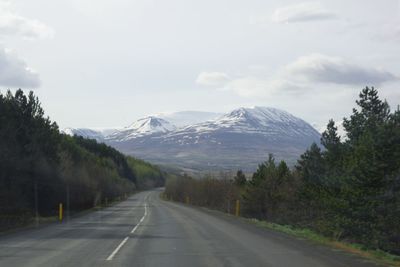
(238,139)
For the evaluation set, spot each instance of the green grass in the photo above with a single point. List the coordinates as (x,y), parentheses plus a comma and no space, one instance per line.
(378,256)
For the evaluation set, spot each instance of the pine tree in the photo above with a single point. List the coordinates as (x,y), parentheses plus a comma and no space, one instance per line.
(333,148)
(311,165)
(283,170)
(330,139)
(372,114)
(240,178)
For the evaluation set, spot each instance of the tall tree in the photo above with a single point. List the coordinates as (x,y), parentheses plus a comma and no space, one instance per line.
(240,178)
(333,148)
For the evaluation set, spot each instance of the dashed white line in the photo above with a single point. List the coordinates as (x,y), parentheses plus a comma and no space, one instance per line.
(117,249)
(141,220)
(112,255)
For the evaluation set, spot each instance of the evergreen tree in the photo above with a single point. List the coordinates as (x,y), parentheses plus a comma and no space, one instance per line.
(372,114)
(40,165)
(283,170)
(333,154)
(240,178)
(311,165)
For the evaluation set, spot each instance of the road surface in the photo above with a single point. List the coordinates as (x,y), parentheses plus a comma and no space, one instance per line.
(147,231)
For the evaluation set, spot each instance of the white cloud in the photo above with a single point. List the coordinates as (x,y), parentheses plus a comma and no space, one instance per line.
(325,69)
(308,11)
(254,87)
(15,73)
(247,86)
(386,32)
(12,23)
(300,76)
(212,78)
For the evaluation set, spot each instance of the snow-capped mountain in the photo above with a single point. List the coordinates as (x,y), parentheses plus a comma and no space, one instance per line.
(255,120)
(239,139)
(142,127)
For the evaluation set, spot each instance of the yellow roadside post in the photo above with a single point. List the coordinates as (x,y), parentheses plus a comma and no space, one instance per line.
(187,200)
(237,211)
(60,212)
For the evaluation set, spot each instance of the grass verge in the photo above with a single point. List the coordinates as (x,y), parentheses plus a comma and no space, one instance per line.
(378,256)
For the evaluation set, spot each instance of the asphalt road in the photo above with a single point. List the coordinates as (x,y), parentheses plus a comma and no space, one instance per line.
(147,231)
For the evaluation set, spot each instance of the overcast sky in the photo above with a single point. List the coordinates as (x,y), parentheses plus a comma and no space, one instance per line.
(105,63)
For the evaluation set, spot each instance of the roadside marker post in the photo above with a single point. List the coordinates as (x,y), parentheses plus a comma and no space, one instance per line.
(60,212)
(68,206)
(36,205)
(187,200)
(237,211)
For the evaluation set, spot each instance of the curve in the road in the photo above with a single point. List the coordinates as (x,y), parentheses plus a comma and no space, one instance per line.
(147,231)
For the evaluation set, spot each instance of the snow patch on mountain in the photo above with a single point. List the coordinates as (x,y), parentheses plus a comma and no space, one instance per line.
(142,127)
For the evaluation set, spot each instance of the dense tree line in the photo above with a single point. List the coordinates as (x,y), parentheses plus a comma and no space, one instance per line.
(347,188)
(40,167)
(147,175)
(209,192)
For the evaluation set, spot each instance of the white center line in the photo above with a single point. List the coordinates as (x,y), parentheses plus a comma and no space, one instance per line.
(118,248)
(112,255)
(141,220)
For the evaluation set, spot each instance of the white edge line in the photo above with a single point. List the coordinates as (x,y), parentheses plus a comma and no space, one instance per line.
(112,255)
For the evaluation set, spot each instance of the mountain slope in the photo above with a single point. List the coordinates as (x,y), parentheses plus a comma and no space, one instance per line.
(239,139)
(257,120)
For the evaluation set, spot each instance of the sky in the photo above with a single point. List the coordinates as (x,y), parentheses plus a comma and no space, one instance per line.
(106,63)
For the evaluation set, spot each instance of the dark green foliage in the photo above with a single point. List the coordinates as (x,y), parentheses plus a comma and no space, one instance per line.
(334,148)
(28,150)
(267,193)
(240,178)
(357,176)
(36,160)
(104,151)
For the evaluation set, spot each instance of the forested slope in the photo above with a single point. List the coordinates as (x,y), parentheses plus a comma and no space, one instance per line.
(40,168)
